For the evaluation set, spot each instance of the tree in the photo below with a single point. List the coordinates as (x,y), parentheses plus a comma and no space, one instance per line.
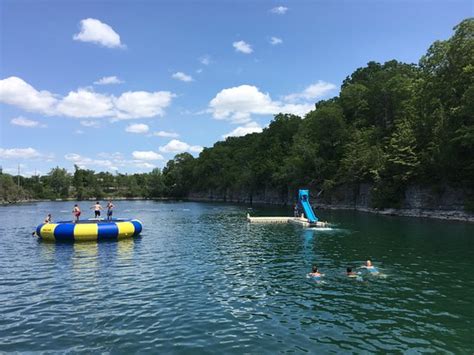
(59,181)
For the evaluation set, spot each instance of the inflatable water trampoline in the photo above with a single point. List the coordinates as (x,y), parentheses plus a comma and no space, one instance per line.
(89,230)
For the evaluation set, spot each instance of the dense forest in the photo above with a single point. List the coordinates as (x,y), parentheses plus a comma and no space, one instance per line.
(392,125)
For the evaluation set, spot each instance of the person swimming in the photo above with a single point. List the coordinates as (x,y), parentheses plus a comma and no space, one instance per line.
(315,273)
(350,273)
(370,268)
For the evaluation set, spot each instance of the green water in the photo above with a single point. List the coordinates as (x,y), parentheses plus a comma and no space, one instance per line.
(201,279)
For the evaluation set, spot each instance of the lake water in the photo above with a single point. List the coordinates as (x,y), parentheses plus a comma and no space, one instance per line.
(201,279)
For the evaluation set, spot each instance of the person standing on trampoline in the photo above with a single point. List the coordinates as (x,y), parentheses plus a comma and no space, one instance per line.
(97,208)
(110,207)
(76,212)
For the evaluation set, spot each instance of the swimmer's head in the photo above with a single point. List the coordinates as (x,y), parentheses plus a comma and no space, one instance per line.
(97,202)
(315,268)
(349,270)
(369,263)
(75,205)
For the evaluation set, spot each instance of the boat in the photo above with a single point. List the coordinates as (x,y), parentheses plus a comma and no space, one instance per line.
(89,230)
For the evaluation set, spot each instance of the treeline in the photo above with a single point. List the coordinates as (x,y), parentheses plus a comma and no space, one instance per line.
(83,184)
(392,125)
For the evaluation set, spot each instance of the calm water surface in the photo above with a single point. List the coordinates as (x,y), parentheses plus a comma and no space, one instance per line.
(201,279)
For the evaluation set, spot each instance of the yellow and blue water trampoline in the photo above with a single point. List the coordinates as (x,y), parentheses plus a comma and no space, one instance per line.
(89,230)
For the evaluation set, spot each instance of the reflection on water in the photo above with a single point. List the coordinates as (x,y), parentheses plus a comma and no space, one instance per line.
(201,278)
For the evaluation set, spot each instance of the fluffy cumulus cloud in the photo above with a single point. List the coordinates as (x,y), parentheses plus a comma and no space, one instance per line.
(84,103)
(147,155)
(182,76)
(108,80)
(19,153)
(97,32)
(312,92)
(136,104)
(175,146)
(243,47)
(15,91)
(251,127)
(25,122)
(275,40)
(166,134)
(137,128)
(237,104)
(279,10)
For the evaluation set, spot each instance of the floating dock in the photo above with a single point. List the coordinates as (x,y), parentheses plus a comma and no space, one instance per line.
(303,201)
(302,221)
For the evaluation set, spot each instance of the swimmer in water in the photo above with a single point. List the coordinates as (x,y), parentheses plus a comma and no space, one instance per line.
(350,273)
(315,273)
(370,268)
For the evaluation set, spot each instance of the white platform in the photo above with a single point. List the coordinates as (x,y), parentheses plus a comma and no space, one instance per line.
(295,220)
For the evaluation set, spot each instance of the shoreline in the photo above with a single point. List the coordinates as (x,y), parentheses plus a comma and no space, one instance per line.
(447,215)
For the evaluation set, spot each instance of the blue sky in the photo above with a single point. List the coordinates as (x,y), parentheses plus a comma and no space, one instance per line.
(178,76)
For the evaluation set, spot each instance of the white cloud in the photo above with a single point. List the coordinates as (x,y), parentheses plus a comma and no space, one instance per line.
(137,104)
(84,162)
(279,10)
(114,161)
(205,60)
(275,40)
(312,92)
(183,77)
(79,131)
(14,91)
(108,80)
(25,122)
(237,104)
(93,124)
(199,71)
(166,134)
(251,127)
(243,47)
(97,32)
(147,155)
(19,153)
(137,128)
(176,146)
(84,103)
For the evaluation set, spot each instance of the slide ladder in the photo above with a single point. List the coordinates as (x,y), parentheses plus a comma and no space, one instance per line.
(303,199)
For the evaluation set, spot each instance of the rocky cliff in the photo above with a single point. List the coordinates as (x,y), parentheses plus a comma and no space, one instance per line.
(442,202)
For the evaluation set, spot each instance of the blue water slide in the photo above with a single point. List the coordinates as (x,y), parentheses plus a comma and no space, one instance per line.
(303,198)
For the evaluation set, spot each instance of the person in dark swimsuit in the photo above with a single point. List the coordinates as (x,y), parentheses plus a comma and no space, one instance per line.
(97,208)
(110,207)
